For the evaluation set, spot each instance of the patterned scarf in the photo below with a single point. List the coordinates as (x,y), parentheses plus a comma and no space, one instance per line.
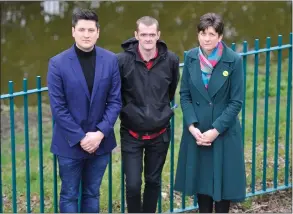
(207,64)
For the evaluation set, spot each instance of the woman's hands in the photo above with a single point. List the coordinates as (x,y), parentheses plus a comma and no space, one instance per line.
(203,139)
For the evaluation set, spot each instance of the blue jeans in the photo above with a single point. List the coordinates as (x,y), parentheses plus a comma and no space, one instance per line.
(88,171)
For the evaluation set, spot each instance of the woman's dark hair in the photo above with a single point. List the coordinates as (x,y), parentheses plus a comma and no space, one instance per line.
(211,20)
(85,14)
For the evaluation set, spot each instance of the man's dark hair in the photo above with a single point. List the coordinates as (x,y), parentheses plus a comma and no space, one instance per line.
(211,20)
(85,14)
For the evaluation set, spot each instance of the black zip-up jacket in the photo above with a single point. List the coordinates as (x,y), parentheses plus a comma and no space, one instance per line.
(146,94)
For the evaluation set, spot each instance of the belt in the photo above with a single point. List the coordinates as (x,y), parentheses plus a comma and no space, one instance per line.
(146,136)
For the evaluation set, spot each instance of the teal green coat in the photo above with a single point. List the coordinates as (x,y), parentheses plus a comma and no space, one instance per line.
(217,170)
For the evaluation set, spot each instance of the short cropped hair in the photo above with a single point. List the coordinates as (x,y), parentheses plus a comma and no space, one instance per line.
(211,20)
(85,14)
(148,21)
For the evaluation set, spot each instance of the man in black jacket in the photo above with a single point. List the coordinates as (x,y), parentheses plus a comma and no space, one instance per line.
(149,75)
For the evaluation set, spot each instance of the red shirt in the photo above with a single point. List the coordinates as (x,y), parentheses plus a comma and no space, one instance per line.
(148,64)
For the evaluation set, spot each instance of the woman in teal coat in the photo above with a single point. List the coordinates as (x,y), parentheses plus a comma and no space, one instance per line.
(211,157)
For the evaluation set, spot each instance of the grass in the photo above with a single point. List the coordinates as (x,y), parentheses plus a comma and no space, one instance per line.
(116,158)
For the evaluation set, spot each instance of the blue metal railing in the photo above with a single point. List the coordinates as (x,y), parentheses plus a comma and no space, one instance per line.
(251,70)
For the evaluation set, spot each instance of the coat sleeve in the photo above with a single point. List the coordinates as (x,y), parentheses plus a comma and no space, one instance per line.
(189,114)
(226,119)
(114,104)
(175,77)
(72,132)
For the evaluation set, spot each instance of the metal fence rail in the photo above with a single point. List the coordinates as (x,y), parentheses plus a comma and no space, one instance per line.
(255,108)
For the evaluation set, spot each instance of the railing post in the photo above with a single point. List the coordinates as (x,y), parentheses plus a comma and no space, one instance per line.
(244,91)
(172,160)
(122,188)
(55,197)
(288,123)
(55,193)
(12,133)
(255,83)
(110,184)
(277,113)
(265,138)
(27,148)
(40,136)
(233,46)
(183,193)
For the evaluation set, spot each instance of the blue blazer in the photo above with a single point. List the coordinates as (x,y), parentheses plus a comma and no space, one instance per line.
(74,111)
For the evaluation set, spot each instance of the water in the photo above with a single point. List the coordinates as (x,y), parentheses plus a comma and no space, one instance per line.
(32,32)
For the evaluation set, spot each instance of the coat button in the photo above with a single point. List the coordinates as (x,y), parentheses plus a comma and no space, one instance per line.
(197,103)
(210,104)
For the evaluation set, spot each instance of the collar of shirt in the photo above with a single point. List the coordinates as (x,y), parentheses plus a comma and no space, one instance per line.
(82,54)
(151,61)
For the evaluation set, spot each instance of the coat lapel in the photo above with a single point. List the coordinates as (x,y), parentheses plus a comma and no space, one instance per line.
(195,74)
(219,76)
(98,74)
(221,72)
(78,72)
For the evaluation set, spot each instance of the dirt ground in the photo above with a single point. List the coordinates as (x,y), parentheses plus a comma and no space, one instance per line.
(278,202)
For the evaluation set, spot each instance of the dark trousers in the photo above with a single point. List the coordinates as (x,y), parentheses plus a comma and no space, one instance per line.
(205,204)
(88,171)
(154,152)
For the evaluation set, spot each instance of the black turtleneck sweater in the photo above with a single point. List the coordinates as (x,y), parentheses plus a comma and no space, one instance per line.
(88,63)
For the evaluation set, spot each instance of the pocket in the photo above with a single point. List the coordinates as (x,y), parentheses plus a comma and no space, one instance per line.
(164,114)
(167,136)
(127,112)
(68,163)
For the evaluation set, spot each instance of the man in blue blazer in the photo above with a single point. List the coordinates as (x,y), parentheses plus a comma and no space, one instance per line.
(84,90)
